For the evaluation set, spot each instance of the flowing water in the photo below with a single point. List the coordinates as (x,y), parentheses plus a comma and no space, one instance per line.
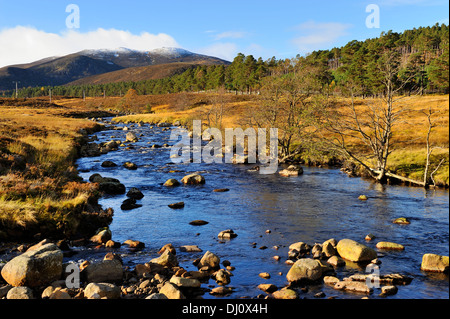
(314,207)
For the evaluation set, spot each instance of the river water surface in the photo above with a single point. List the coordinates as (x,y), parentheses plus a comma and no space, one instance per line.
(314,207)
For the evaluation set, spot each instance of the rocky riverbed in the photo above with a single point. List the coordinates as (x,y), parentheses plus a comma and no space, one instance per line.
(216,255)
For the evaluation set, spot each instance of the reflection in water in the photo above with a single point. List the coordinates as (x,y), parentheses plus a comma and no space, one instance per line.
(319,205)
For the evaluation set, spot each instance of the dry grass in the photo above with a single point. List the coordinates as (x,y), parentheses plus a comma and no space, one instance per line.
(39,185)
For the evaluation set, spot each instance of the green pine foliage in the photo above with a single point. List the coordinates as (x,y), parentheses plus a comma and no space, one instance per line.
(423,54)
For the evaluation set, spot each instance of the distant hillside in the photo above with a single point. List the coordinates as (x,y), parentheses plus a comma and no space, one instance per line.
(136,74)
(54,71)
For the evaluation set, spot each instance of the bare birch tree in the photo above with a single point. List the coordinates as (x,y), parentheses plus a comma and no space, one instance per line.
(372,123)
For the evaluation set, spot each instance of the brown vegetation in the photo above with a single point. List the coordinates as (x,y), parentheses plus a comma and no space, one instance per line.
(40,190)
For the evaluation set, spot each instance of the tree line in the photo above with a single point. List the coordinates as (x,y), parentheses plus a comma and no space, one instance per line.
(423,61)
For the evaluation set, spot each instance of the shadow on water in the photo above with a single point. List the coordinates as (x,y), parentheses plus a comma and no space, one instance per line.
(319,205)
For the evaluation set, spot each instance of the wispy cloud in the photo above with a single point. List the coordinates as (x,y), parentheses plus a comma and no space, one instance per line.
(315,36)
(230,35)
(223,50)
(395,3)
(23,44)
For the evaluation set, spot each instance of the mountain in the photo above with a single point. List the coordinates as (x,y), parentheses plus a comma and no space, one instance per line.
(141,73)
(63,70)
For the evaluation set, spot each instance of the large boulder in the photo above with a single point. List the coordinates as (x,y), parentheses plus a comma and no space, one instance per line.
(171,291)
(193,179)
(20,293)
(108,185)
(210,260)
(167,259)
(34,268)
(306,269)
(354,251)
(102,290)
(435,263)
(109,271)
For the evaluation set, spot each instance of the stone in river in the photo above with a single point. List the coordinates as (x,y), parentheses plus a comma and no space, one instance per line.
(129,204)
(131,137)
(135,193)
(292,170)
(108,164)
(209,259)
(354,251)
(198,223)
(131,166)
(168,247)
(221,291)
(435,263)
(167,259)
(402,221)
(388,291)
(177,205)
(269,288)
(353,286)
(227,234)
(135,244)
(193,179)
(285,293)
(190,248)
(171,183)
(102,237)
(389,246)
(363,197)
(305,269)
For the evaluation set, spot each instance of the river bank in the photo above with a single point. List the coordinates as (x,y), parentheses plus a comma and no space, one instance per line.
(41,193)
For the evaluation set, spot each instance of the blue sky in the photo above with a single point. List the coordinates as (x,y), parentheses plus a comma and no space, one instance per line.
(30,30)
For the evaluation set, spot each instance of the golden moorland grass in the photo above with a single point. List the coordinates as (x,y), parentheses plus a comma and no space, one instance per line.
(39,186)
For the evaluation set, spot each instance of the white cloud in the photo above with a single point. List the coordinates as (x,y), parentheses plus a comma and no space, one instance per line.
(226,51)
(23,44)
(316,36)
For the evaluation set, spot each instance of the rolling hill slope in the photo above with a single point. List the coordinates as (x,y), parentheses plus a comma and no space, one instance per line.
(151,72)
(63,70)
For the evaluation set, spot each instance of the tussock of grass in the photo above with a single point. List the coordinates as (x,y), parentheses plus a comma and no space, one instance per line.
(16,214)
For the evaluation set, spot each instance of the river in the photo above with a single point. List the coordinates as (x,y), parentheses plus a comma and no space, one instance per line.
(314,207)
